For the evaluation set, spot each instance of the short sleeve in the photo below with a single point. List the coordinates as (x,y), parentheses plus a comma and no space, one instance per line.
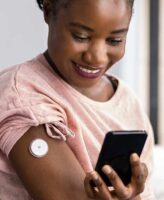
(14,123)
(25,102)
(16,119)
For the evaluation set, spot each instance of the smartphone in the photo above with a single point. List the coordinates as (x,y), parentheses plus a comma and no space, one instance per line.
(116,150)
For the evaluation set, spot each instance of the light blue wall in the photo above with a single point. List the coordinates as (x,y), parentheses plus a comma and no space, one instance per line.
(22,31)
(128,68)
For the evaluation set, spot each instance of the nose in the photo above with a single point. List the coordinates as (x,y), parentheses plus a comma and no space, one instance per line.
(96,54)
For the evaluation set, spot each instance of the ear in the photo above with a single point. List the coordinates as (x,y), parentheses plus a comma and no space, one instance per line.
(47,7)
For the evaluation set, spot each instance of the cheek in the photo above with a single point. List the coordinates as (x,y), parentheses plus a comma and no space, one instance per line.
(118,53)
(71,45)
(65,45)
(122,52)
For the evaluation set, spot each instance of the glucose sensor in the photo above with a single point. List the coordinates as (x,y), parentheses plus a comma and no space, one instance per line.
(38,148)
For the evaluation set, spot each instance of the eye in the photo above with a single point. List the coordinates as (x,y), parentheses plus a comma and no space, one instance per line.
(80,37)
(114,41)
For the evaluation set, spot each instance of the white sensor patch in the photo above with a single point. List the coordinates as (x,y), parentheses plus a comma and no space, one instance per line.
(38,148)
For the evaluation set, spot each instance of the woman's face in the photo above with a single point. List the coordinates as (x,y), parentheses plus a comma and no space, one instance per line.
(87,38)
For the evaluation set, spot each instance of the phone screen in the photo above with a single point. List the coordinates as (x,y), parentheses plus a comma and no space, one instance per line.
(116,150)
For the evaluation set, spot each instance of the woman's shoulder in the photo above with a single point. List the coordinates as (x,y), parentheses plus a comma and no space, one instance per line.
(23,80)
(10,73)
(26,68)
(122,89)
(29,73)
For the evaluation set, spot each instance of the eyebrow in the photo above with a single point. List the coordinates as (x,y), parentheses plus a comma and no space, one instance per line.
(78,25)
(123,30)
(86,28)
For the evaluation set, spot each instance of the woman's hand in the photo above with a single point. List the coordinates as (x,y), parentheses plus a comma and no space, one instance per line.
(119,190)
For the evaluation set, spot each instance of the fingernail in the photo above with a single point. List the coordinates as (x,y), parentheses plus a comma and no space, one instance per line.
(95,179)
(135,157)
(94,175)
(106,169)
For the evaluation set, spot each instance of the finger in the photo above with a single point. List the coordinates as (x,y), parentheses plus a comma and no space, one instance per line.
(120,189)
(100,191)
(91,192)
(139,173)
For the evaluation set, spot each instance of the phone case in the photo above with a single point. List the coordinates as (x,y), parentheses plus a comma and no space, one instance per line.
(116,150)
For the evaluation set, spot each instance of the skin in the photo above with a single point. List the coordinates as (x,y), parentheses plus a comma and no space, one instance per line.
(104,30)
(99,50)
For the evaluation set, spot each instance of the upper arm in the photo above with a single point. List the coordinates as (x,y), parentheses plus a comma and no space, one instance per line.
(58,175)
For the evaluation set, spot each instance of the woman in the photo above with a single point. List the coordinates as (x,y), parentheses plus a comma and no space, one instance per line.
(57,108)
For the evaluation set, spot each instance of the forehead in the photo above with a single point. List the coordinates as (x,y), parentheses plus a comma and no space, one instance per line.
(103,4)
(98,12)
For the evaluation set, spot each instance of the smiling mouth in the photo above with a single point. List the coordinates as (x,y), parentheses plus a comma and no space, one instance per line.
(87,72)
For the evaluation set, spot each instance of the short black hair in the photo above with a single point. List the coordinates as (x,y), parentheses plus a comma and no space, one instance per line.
(40,3)
(58,3)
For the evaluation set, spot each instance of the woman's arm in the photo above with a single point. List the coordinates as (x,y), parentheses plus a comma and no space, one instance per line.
(59,176)
(56,176)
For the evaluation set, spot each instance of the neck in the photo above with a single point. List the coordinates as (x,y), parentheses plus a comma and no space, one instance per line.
(52,64)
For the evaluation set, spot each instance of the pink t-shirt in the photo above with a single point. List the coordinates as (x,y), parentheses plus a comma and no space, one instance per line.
(32,94)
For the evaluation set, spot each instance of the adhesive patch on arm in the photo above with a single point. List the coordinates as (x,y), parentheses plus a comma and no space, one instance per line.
(38,148)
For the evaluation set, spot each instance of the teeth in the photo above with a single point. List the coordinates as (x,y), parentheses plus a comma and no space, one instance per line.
(89,71)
